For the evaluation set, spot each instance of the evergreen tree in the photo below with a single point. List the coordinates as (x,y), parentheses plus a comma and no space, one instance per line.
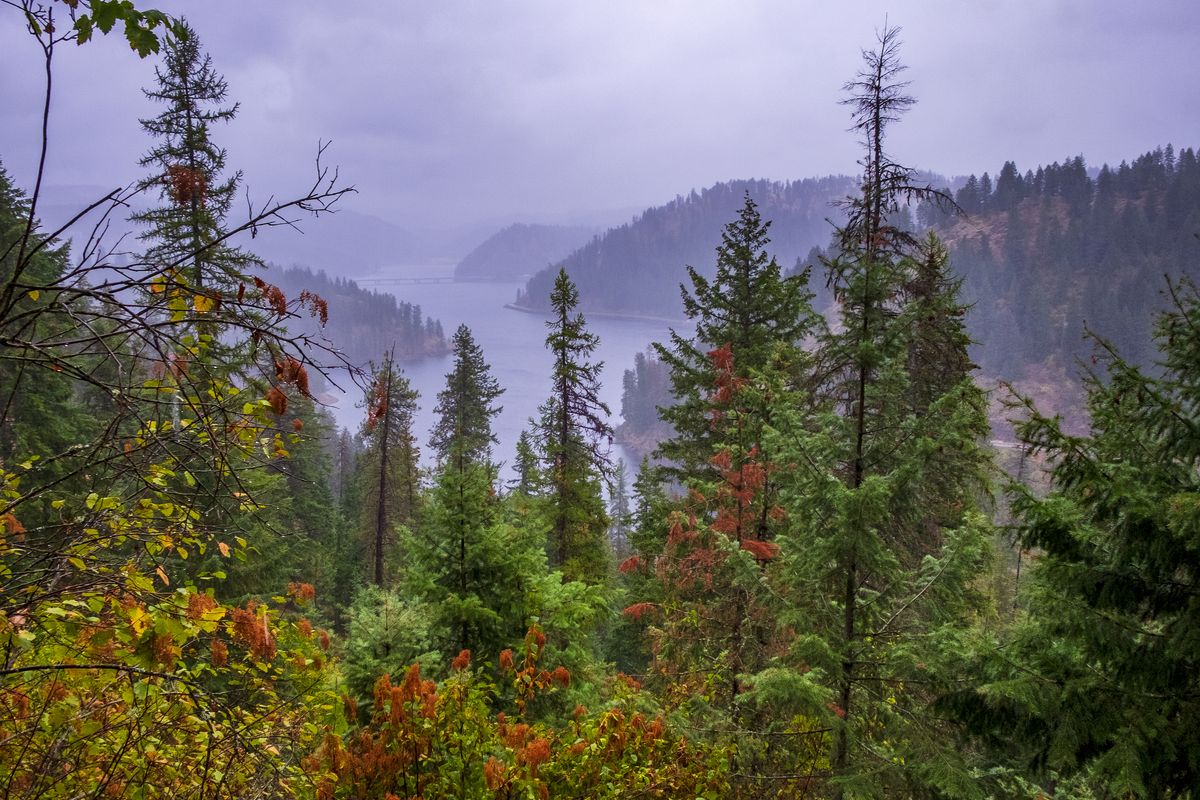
(389,467)
(1101,678)
(749,319)
(42,416)
(465,408)
(574,434)
(474,571)
(470,568)
(186,234)
(882,536)
(619,512)
(527,467)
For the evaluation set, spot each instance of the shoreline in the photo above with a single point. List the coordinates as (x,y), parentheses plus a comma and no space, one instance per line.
(603,315)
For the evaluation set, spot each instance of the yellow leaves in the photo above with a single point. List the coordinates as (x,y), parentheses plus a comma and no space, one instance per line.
(34,294)
(203,303)
(139,620)
(162,575)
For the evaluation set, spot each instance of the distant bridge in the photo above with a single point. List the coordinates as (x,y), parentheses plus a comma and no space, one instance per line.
(404,280)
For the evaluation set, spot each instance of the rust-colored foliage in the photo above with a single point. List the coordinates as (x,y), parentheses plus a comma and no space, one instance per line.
(639,610)
(274,297)
(187,185)
(291,371)
(278,401)
(631,564)
(199,605)
(427,740)
(301,593)
(252,630)
(316,305)
(377,408)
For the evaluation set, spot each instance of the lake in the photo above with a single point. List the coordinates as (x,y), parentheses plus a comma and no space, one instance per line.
(513,342)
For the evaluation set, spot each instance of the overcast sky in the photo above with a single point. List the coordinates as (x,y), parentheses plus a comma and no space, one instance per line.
(448,111)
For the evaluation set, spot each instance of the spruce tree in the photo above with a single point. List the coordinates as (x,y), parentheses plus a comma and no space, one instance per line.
(883,539)
(186,233)
(465,408)
(749,319)
(1100,680)
(574,434)
(466,565)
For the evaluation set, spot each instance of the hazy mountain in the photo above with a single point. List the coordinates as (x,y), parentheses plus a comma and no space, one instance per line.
(521,250)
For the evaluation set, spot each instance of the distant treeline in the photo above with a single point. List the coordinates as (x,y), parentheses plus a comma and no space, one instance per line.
(1048,252)
(363,324)
(637,268)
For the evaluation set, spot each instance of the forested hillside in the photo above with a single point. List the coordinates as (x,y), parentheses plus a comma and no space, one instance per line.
(208,592)
(637,268)
(520,250)
(1045,253)
(362,324)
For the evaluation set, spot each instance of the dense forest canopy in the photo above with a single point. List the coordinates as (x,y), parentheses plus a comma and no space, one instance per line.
(207,590)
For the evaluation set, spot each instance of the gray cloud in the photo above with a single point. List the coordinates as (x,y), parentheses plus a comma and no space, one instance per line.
(457,111)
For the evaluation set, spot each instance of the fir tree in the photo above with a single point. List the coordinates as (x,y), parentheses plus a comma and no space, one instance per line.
(574,434)
(749,319)
(465,408)
(186,234)
(1101,679)
(883,538)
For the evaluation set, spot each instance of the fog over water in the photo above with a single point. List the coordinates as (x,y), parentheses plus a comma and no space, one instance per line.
(513,343)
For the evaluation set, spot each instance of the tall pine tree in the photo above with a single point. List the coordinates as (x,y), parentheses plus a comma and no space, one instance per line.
(574,434)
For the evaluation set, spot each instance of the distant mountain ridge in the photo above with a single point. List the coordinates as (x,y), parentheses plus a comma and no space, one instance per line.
(521,250)
(636,268)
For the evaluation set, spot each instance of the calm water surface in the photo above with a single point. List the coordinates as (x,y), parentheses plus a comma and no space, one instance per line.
(513,343)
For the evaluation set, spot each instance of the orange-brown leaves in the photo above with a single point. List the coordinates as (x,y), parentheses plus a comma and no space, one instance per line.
(273,296)
(378,406)
(461,661)
(252,630)
(316,306)
(13,527)
(763,551)
(301,593)
(631,564)
(534,754)
(164,648)
(506,660)
(291,371)
(187,185)
(278,401)
(495,774)
(639,610)
(199,605)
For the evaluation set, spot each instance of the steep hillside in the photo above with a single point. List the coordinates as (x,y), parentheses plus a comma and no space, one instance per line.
(636,268)
(520,250)
(1048,253)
